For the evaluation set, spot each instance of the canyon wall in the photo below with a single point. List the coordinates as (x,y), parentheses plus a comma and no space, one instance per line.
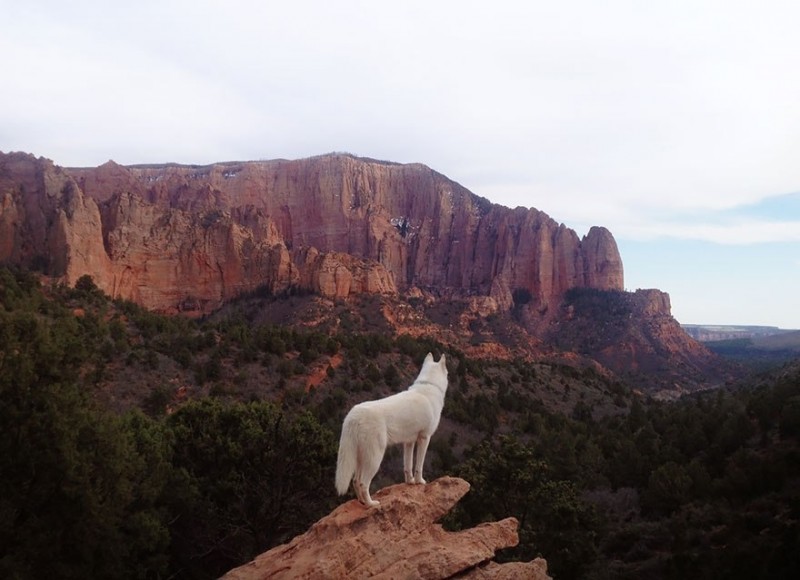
(176,237)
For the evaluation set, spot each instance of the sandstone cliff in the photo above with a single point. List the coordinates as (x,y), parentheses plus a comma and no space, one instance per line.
(173,237)
(635,335)
(398,540)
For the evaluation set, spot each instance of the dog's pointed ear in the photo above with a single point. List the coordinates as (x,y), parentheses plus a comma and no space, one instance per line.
(429,357)
(441,361)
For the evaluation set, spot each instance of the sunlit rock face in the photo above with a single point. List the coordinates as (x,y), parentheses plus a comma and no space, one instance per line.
(173,236)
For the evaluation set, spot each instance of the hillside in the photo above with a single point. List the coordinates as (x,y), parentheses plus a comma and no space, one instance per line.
(142,445)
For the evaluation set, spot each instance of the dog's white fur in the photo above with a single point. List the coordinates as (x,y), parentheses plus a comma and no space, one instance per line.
(409,417)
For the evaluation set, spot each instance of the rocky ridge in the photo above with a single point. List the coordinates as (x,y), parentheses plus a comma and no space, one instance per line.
(399,539)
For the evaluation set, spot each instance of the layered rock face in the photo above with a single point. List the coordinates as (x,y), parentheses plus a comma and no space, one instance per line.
(45,220)
(400,539)
(185,237)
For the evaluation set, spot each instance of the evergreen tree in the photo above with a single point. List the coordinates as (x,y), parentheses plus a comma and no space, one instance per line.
(255,477)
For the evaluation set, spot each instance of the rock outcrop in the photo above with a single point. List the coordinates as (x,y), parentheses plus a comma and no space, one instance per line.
(168,236)
(400,539)
(46,222)
(634,335)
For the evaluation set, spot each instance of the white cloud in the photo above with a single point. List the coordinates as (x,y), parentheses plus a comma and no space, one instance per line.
(734,233)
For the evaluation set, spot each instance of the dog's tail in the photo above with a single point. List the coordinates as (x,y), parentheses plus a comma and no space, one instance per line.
(346,462)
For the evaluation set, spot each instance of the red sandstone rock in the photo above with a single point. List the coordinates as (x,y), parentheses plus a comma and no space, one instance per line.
(337,225)
(398,540)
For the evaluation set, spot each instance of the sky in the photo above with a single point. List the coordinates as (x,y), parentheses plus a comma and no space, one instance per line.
(675,124)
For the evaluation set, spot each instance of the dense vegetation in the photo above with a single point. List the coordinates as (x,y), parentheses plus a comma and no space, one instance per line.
(143,446)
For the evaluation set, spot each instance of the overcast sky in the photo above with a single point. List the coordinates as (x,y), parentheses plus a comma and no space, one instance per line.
(675,124)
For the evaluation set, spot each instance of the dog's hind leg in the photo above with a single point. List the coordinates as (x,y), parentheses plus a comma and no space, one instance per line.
(422,449)
(364,496)
(370,462)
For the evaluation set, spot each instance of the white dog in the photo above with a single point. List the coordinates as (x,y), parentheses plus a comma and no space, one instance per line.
(409,417)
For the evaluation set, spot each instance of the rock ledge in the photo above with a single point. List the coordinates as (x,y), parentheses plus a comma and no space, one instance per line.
(400,539)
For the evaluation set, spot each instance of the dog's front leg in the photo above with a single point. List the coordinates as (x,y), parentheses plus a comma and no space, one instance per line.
(422,449)
(408,459)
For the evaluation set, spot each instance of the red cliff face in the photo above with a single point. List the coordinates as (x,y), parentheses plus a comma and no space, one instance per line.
(173,236)
(46,222)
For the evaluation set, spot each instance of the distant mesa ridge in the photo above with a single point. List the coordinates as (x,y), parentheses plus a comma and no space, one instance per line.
(335,224)
(715,332)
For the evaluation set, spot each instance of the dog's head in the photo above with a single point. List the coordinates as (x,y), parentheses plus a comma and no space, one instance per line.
(434,371)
